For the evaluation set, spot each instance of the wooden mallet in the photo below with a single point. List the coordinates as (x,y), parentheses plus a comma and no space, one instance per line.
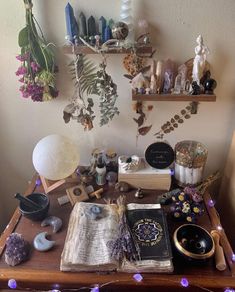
(220,262)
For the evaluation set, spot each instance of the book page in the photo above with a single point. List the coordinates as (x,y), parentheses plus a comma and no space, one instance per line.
(86,240)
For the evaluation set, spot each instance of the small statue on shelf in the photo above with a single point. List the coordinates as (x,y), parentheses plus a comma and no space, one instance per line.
(199,62)
(196,89)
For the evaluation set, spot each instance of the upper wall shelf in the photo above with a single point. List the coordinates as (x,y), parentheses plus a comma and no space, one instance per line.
(173,97)
(114,50)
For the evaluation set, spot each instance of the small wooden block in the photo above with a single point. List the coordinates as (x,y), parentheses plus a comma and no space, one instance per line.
(77,193)
(97,193)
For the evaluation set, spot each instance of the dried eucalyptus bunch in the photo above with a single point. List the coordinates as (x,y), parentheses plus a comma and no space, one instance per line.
(107,91)
(175,121)
(81,108)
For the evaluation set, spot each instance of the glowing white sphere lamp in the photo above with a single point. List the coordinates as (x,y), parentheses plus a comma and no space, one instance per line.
(55,158)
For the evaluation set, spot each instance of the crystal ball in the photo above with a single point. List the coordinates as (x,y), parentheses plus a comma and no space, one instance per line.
(120,30)
(55,157)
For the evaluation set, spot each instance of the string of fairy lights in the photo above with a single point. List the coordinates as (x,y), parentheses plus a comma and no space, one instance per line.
(183,282)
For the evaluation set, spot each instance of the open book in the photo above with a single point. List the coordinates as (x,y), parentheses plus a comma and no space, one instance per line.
(93,226)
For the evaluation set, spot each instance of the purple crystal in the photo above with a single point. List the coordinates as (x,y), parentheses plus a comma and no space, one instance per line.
(17,249)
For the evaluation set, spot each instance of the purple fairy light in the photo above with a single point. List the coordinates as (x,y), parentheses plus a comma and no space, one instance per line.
(38,182)
(233,257)
(95,289)
(138,277)
(219,227)
(229,290)
(211,203)
(12,284)
(55,288)
(184,282)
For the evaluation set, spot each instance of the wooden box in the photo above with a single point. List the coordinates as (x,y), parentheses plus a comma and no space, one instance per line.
(146,177)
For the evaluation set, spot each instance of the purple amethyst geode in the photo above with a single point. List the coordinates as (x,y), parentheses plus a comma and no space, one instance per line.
(17,249)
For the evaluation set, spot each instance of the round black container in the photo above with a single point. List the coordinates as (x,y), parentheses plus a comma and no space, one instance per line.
(194,243)
(42,200)
(159,155)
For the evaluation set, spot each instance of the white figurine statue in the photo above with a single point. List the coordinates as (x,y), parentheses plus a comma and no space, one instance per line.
(200,60)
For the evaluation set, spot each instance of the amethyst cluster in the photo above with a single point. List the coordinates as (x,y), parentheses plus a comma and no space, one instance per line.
(17,249)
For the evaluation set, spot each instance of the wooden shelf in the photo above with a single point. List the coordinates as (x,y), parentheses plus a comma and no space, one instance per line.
(173,97)
(112,50)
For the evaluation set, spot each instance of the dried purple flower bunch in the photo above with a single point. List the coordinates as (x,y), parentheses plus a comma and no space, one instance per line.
(124,246)
(17,249)
(37,69)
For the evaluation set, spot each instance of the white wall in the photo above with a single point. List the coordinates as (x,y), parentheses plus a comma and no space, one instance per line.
(174,28)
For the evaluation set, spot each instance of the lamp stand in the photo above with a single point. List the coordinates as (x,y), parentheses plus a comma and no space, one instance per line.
(50,186)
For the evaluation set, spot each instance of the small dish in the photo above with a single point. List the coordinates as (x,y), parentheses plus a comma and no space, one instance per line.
(194,242)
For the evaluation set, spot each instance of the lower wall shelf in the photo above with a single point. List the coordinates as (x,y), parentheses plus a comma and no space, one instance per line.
(173,97)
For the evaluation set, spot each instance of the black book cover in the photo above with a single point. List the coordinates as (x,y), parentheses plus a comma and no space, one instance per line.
(150,233)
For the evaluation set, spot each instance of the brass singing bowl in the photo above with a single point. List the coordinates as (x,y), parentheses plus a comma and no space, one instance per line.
(194,242)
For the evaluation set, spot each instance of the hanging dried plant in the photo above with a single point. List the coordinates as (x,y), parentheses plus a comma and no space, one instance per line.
(107,91)
(90,81)
(142,130)
(175,121)
(81,108)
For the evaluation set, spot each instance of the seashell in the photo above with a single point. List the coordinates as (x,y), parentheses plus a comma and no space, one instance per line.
(40,242)
(53,221)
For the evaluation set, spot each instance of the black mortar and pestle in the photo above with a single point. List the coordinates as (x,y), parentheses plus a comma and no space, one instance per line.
(34,206)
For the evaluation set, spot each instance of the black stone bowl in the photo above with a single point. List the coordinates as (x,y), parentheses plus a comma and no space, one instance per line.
(194,243)
(36,215)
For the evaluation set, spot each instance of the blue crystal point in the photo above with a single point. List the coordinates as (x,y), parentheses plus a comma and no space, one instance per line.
(91,26)
(107,34)
(71,23)
(82,25)
(102,26)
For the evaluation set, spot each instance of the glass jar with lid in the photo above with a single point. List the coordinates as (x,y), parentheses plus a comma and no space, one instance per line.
(190,160)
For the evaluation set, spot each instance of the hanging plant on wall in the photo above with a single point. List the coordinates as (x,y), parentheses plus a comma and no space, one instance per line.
(37,69)
(90,81)
(136,66)
(175,121)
